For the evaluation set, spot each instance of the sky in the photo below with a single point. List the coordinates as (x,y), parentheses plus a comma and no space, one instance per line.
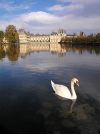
(45,16)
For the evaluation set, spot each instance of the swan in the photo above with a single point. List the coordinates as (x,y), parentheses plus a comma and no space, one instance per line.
(63,91)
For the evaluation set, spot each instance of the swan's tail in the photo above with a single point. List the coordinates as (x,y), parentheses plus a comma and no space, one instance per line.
(52,83)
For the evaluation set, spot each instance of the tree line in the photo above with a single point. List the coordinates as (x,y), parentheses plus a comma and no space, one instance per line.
(90,39)
(10,34)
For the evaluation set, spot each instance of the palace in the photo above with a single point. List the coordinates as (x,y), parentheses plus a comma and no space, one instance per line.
(26,37)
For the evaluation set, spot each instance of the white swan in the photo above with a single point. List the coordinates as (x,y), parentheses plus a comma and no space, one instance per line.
(63,91)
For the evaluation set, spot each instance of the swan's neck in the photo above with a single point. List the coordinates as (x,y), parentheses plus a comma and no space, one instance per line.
(73,91)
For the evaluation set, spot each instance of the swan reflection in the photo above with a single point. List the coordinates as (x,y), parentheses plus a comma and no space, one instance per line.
(72,103)
(71,108)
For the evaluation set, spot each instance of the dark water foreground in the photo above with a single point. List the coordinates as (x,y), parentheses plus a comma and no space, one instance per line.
(27,102)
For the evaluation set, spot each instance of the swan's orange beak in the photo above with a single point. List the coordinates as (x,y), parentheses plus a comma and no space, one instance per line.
(77,83)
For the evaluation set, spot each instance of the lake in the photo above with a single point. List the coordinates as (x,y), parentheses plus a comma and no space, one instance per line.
(27,101)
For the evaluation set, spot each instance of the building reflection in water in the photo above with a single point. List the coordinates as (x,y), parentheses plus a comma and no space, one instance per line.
(54,48)
(22,50)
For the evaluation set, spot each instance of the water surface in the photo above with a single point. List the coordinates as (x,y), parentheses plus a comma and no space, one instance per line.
(27,102)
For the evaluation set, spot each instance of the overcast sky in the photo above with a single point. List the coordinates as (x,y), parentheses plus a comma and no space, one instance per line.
(43,16)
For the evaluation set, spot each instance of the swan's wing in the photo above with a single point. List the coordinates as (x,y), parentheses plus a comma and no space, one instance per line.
(61,90)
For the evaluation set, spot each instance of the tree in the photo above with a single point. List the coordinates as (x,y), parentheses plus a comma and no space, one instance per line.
(11,34)
(98,37)
(1,36)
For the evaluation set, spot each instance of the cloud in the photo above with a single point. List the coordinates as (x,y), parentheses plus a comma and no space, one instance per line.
(77,8)
(56,8)
(41,17)
(3,24)
(44,23)
(10,6)
(80,1)
(37,22)
(68,8)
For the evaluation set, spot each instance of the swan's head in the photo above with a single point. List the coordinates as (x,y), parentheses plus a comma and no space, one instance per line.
(75,80)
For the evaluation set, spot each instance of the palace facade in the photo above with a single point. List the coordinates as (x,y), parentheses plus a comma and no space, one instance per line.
(26,37)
